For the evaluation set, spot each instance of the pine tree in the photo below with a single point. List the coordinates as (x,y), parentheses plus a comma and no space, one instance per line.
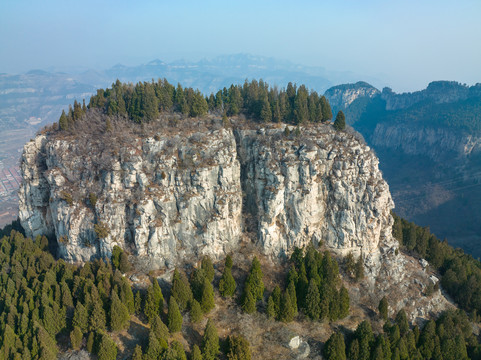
(97,317)
(313,309)
(402,321)
(207,302)
(248,302)
(291,289)
(124,264)
(286,312)
(116,251)
(196,353)
(208,268)
(343,303)
(210,342)
(63,121)
(138,354)
(383,308)
(159,329)
(174,317)
(195,311)
(90,342)
(227,283)
(107,349)
(76,336)
(228,262)
(359,269)
(154,347)
(325,109)
(239,348)
(340,122)
(137,303)
(119,314)
(335,348)
(181,290)
(255,279)
(271,308)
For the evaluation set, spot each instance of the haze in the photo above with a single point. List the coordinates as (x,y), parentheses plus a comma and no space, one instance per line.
(404,44)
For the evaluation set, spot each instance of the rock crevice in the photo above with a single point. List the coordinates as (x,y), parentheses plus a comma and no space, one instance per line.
(167,199)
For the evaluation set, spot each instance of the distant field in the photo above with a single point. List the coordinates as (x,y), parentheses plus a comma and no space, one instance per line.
(11,145)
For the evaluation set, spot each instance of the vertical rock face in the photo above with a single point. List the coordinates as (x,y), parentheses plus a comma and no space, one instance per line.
(170,197)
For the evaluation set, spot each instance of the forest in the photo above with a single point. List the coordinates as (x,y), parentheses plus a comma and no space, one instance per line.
(145,101)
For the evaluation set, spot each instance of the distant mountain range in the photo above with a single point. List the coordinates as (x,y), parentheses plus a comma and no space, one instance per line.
(37,97)
(429,146)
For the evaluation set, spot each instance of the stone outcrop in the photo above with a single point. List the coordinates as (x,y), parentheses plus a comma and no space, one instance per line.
(341,96)
(171,196)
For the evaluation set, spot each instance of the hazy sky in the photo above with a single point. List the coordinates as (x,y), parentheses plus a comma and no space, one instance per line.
(405,43)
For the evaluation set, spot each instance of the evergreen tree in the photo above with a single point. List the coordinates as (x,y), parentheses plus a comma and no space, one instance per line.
(325,109)
(138,354)
(228,262)
(174,317)
(248,301)
(255,279)
(340,122)
(107,349)
(383,308)
(97,317)
(119,314)
(196,353)
(137,302)
(313,300)
(76,336)
(208,268)
(402,322)
(359,269)
(227,283)
(90,342)
(287,311)
(63,121)
(154,347)
(116,251)
(343,302)
(195,311)
(210,342)
(271,308)
(124,264)
(239,348)
(335,348)
(207,302)
(181,290)
(291,289)
(159,329)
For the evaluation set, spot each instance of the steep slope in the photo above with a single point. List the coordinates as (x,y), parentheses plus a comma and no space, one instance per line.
(428,143)
(168,193)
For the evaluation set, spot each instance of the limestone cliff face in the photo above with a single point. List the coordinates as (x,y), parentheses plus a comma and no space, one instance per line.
(170,197)
(341,96)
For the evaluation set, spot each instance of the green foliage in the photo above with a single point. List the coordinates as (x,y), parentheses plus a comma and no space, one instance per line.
(196,353)
(286,311)
(138,354)
(154,301)
(239,348)
(76,337)
(210,342)
(174,317)
(359,269)
(208,268)
(196,313)
(143,102)
(254,279)
(93,199)
(181,290)
(248,300)
(116,251)
(119,314)
(160,330)
(340,122)
(313,309)
(343,303)
(383,308)
(207,301)
(335,348)
(227,284)
(102,230)
(461,274)
(107,349)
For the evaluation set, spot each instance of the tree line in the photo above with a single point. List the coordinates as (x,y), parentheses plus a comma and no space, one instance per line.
(145,101)
(460,272)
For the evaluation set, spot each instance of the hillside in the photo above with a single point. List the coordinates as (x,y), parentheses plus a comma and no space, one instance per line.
(428,146)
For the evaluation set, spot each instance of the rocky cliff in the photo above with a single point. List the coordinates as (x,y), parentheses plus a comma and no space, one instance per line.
(167,194)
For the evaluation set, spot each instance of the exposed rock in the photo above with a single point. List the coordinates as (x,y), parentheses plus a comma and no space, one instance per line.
(342,96)
(167,198)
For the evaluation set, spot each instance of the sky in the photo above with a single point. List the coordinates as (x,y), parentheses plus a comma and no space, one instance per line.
(405,43)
